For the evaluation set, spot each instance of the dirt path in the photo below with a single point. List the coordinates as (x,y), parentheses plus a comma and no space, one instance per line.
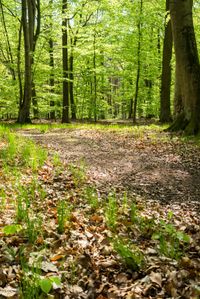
(150,164)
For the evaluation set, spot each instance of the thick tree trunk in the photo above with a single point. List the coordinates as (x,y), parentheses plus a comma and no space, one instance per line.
(29,17)
(165,112)
(187,67)
(65,112)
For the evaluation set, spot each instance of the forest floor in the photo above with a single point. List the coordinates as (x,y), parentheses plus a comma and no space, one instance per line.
(134,227)
(153,164)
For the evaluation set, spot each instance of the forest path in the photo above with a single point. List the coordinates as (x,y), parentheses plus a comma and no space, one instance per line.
(149,163)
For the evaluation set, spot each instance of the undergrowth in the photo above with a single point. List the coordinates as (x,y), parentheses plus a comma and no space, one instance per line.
(124,219)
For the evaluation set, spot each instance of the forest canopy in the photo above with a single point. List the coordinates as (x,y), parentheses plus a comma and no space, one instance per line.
(95,60)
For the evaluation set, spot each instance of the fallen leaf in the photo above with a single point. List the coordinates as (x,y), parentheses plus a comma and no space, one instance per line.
(8,292)
(156,278)
(56,257)
(46,267)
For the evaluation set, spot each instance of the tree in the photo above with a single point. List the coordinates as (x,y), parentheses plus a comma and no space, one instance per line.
(30,14)
(187,67)
(165,112)
(65,113)
(138,61)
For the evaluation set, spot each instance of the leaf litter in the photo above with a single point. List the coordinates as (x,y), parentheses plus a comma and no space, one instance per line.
(83,256)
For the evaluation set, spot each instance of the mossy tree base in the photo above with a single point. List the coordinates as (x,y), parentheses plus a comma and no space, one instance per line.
(181,123)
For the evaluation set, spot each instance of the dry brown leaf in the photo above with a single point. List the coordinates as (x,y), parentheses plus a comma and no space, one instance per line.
(101,297)
(8,292)
(156,278)
(96,218)
(56,257)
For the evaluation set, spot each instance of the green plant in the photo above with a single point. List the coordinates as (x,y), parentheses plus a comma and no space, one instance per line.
(125,202)
(111,211)
(9,151)
(56,160)
(33,228)
(46,284)
(170,240)
(91,195)
(131,255)
(134,213)
(23,204)
(12,229)
(30,285)
(2,199)
(78,173)
(35,190)
(63,214)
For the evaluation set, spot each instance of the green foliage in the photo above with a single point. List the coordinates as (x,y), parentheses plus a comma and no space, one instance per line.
(91,195)
(12,229)
(18,151)
(171,240)
(33,228)
(131,255)
(47,283)
(63,215)
(23,204)
(78,173)
(133,213)
(30,285)
(56,160)
(111,211)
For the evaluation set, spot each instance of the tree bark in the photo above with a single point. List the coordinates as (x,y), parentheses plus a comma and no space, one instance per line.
(29,17)
(187,67)
(165,111)
(138,63)
(52,113)
(24,109)
(71,82)
(65,112)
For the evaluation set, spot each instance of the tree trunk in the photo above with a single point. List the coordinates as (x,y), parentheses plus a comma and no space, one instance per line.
(71,83)
(165,112)
(29,17)
(51,81)
(187,67)
(24,109)
(94,79)
(138,63)
(65,113)
(10,60)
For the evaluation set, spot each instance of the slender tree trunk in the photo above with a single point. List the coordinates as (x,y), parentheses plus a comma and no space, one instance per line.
(9,50)
(94,79)
(187,67)
(35,32)
(52,114)
(19,65)
(52,80)
(165,112)
(138,62)
(71,82)
(65,113)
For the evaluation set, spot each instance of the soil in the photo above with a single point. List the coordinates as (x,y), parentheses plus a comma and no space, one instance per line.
(150,164)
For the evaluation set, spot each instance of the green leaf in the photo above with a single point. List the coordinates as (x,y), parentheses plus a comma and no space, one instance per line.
(46,285)
(183,237)
(12,229)
(55,279)
(156,236)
